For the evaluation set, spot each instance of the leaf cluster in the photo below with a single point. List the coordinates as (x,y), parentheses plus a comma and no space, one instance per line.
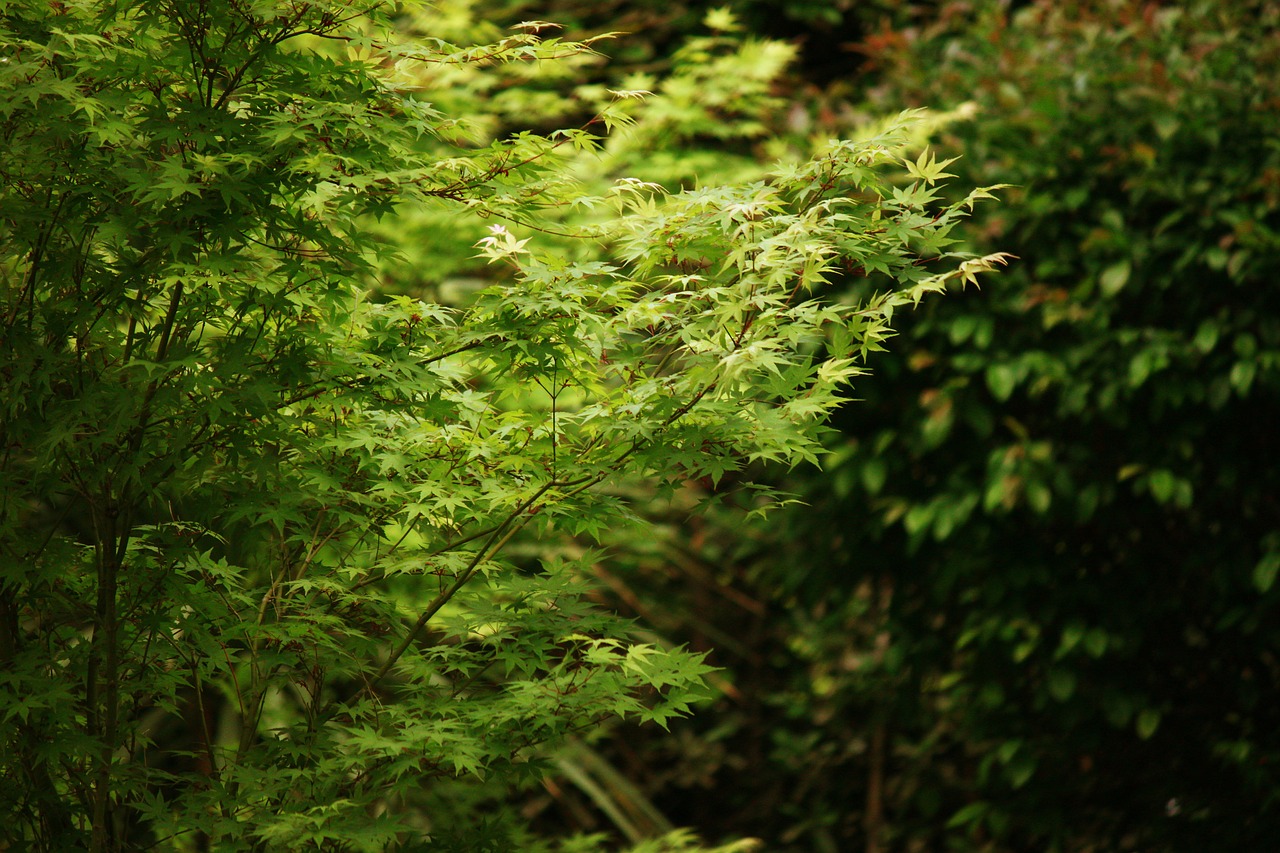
(1048,527)
(256,585)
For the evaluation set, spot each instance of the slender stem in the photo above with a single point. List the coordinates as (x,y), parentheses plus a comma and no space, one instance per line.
(374,577)
(104,676)
(509,528)
(873,818)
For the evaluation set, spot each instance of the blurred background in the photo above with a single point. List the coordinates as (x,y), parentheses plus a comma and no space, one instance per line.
(1030,601)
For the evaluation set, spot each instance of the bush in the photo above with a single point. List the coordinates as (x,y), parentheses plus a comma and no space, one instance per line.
(1059,489)
(1032,604)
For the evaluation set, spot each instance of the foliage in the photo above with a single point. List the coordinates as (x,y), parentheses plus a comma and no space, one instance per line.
(254,593)
(673,129)
(1044,558)
(1032,602)
(834,37)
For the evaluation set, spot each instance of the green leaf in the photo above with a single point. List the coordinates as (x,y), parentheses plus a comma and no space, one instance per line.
(1265,572)
(1242,376)
(1206,336)
(1114,278)
(1096,642)
(1147,722)
(874,473)
(721,19)
(1162,484)
(1072,634)
(1001,380)
(1021,770)
(969,815)
(1062,684)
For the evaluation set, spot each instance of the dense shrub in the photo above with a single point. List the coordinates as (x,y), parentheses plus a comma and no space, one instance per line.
(1033,603)
(1062,487)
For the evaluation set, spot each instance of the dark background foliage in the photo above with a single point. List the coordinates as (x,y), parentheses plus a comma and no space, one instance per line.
(1031,603)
